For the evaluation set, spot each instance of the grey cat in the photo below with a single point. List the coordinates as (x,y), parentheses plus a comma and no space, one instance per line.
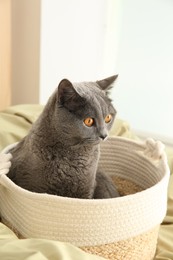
(60,154)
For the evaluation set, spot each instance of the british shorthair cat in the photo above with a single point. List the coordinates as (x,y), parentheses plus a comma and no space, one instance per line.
(60,154)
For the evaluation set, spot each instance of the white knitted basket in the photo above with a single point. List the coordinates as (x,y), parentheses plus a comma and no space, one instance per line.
(93,224)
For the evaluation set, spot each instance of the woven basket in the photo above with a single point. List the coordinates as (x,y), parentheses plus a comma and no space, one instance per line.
(118,228)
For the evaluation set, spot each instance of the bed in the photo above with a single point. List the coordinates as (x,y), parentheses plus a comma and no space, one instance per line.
(15,123)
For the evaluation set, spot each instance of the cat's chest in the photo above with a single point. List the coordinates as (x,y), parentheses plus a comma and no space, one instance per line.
(79,160)
(64,155)
(72,174)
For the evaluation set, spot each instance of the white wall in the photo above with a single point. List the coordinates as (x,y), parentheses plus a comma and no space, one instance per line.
(144,93)
(74,41)
(89,40)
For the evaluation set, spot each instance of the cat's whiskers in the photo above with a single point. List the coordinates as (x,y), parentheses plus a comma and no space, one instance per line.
(108,140)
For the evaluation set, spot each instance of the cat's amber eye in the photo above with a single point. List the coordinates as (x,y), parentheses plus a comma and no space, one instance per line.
(108,118)
(89,121)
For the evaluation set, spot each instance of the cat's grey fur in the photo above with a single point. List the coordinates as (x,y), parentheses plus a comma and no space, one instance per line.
(60,154)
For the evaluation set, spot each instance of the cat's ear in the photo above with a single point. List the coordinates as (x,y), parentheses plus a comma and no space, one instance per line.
(68,96)
(105,84)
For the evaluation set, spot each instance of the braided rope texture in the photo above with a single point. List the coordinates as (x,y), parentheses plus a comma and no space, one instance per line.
(141,247)
(98,223)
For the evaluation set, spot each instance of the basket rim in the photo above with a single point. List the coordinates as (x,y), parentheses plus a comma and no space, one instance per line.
(138,144)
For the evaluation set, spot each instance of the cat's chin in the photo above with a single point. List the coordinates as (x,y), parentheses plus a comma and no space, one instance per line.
(87,142)
(93,141)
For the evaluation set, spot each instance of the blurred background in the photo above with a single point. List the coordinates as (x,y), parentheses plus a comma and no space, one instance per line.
(43,41)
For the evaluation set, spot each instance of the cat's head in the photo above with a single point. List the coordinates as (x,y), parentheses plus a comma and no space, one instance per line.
(84,112)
